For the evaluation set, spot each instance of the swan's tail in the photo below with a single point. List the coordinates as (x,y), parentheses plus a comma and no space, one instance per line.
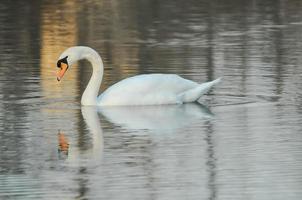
(195,93)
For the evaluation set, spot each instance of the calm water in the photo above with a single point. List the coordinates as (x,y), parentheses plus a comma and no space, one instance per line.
(245,142)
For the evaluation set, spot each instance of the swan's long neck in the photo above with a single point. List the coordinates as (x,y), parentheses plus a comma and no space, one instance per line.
(90,94)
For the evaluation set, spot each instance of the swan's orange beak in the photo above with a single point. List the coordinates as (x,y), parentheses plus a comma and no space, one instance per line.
(63,68)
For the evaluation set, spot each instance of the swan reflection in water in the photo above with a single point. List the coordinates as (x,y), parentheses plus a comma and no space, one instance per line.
(73,150)
(168,117)
(156,117)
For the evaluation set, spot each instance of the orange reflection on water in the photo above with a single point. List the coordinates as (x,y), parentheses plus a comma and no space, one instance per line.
(63,143)
(58,32)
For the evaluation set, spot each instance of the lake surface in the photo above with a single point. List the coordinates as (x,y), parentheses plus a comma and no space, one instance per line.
(243,142)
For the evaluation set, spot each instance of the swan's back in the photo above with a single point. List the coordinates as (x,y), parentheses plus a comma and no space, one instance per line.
(149,89)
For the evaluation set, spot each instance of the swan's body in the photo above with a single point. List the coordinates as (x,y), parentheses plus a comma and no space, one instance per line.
(149,89)
(152,89)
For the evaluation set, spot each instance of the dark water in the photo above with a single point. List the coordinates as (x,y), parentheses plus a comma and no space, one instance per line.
(244,143)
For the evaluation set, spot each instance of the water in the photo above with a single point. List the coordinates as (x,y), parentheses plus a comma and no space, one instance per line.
(245,141)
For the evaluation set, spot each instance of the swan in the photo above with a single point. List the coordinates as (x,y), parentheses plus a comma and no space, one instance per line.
(145,89)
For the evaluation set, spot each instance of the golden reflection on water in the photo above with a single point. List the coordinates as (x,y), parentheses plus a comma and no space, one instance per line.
(58,31)
(114,34)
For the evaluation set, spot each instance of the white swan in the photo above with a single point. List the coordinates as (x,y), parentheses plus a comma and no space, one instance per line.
(147,89)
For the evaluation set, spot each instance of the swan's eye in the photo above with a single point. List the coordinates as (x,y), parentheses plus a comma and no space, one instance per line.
(63,60)
(59,64)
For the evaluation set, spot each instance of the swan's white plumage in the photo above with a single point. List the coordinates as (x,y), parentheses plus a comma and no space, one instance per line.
(147,89)
(152,89)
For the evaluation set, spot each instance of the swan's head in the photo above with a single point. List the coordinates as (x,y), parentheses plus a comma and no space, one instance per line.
(62,64)
(69,57)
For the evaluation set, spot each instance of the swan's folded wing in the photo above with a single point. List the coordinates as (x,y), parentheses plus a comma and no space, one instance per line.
(148,89)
